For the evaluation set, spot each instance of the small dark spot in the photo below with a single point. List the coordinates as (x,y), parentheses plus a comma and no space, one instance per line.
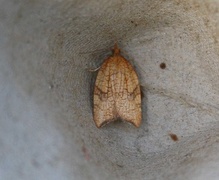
(134,23)
(162,65)
(173,137)
(119,165)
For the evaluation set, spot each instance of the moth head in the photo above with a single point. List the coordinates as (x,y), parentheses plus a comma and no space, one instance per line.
(116,50)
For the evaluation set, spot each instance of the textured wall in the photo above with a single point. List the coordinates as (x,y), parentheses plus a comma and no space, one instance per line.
(46,125)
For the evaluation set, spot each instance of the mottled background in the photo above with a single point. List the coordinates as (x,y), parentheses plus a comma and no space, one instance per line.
(46,126)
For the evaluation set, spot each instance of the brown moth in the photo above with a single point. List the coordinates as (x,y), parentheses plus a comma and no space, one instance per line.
(117,92)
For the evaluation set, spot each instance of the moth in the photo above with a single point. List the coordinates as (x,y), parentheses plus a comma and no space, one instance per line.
(117,93)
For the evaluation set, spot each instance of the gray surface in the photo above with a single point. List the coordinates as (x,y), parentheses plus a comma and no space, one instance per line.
(46,125)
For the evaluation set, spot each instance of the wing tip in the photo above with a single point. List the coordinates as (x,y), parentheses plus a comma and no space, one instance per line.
(136,123)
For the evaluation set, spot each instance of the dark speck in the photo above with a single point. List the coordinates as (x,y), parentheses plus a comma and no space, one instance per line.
(162,65)
(173,137)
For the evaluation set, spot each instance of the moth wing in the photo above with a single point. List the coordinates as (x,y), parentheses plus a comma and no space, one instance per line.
(104,105)
(128,103)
